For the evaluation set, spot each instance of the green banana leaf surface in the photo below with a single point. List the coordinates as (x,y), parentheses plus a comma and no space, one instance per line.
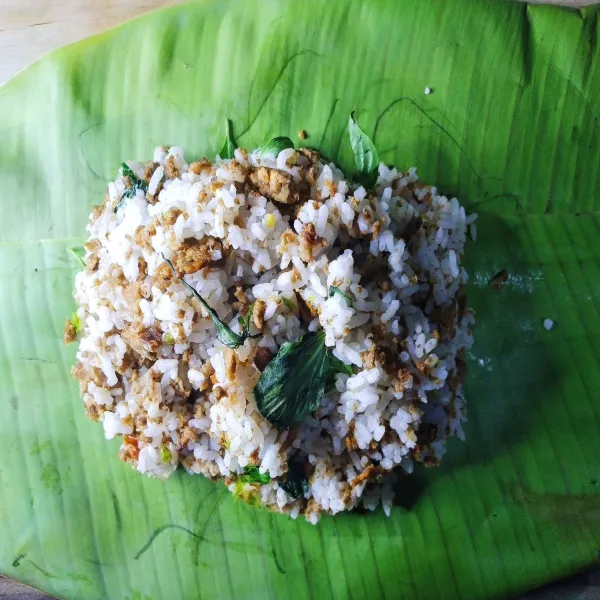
(511,127)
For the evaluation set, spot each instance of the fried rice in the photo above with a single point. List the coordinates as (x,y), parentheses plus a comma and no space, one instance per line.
(267,237)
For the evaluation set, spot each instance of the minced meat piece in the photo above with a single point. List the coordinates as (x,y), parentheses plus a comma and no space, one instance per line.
(162,277)
(142,237)
(171,215)
(70,332)
(370,473)
(202,165)
(241,303)
(258,314)
(309,241)
(275,185)
(262,358)
(144,341)
(194,254)
(171,170)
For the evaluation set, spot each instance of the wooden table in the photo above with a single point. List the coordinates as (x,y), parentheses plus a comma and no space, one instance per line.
(31,28)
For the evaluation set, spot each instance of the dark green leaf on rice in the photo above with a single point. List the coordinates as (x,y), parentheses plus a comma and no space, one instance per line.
(293,383)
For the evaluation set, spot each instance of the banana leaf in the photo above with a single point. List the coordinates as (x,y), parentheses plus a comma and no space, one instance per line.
(511,126)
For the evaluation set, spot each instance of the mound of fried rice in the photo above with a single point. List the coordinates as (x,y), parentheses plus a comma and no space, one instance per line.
(275,232)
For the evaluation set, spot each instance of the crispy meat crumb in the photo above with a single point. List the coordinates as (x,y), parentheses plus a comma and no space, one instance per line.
(194,254)
(275,185)
(258,314)
(262,358)
(370,473)
(70,332)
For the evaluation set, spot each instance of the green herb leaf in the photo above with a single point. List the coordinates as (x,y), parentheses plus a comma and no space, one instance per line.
(296,482)
(76,322)
(338,366)
(335,290)
(78,253)
(275,146)
(293,383)
(136,184)
(224,333)
(228,150)
(253,475)
(289,304)
(365,154)
(335,366)
(168,339)
(165,454)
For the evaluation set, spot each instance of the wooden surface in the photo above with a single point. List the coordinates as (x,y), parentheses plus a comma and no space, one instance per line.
(31,28)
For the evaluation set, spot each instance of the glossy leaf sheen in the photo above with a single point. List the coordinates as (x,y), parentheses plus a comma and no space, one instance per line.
(365,154)
(295,482)
(228,150)
(510,129)
(338,366)
(275,146)
(292,384)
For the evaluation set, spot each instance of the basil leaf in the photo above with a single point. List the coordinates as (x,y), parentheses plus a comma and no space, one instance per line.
(335,366)
(78,253)
(136,184)
(293,383)
(338,366)
(275,146)
(296,482)
(224,333)
(365,154)
(335,290)
(228,150)
(253,475)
